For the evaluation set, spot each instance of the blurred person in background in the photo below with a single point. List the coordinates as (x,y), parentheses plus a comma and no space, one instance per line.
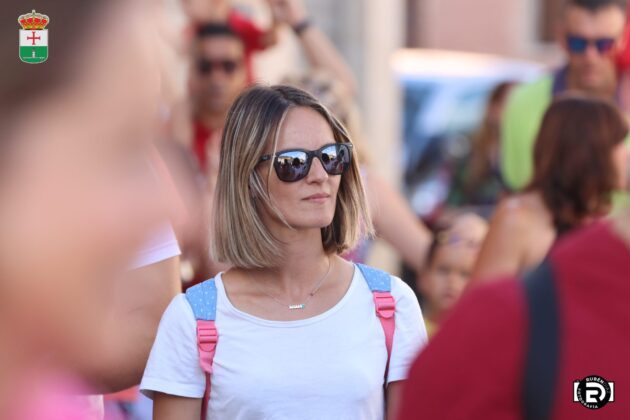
(297,326)
(580,159)
(76,209)
(223,12)
(523,349)
(623,67)
(319,50)
(478,181)
(448,267)
(590,34)
(331,80)
(216,76)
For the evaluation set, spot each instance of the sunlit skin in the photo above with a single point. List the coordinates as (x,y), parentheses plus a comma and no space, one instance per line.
(309,203)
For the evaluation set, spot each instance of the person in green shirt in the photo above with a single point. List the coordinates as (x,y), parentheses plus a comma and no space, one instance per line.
(590,33)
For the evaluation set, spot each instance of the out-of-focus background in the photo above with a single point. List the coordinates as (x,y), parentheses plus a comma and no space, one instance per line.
(425,69)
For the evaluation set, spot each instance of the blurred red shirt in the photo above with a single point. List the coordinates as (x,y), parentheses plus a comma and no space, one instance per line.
(474,367)
(201,136)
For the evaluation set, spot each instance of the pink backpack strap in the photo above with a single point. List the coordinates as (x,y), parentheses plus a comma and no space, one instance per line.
(386,311)
(380,284)
(203,300)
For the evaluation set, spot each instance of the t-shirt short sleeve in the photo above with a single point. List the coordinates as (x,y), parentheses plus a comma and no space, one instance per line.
(410,335)
(161,246)
(173,367)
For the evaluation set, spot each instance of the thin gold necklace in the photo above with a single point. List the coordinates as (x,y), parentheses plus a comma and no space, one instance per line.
(308,298)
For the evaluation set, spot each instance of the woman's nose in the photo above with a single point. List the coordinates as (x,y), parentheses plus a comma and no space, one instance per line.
(317,173)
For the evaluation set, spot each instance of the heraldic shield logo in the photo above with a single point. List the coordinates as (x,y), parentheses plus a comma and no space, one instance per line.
(33,37)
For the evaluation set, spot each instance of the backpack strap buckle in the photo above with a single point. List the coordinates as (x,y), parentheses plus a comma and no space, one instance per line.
(207,338)
(385,304)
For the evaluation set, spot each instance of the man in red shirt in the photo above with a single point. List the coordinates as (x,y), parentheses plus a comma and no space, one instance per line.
(555,345)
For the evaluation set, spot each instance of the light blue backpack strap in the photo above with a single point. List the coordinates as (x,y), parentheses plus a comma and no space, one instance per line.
(203,300)
(380,284)
(377,280)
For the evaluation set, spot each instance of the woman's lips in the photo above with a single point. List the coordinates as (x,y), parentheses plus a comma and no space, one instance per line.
(317,198)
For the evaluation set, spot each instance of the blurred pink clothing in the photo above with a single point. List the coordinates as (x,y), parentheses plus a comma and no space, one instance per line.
(52,399)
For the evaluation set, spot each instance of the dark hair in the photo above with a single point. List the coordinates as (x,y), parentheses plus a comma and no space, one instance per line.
(439,231)
(596,5)
(573,167)
(207,30)
(486,139)
(22,83)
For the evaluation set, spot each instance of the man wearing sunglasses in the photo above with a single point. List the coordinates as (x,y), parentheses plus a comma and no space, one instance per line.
(218,75)
(589,33)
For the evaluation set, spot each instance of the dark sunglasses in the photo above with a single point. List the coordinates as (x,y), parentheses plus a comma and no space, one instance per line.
(205,67)
(294,164)
(578,44)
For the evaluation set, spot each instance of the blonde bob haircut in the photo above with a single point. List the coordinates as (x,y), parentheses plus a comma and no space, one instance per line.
(240,238)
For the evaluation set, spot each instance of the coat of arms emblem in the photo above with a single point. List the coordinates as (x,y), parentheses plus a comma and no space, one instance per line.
(33,37)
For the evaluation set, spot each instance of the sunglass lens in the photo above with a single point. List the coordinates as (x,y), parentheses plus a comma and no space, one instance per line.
(204,67)
(335,159)
(577,44)
(229,66)
(291,166)
(604,45)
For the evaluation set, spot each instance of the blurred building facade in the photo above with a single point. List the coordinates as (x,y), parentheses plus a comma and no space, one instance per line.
(514,28)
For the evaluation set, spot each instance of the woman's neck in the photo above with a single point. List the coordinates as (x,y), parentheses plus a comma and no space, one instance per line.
(304,262)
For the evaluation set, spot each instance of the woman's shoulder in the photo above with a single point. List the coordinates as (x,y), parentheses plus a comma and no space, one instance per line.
(520,212)
(399,289)
(402,290)
(179,312)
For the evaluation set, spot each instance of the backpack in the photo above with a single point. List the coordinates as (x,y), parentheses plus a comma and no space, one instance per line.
(203,300)
(543,344)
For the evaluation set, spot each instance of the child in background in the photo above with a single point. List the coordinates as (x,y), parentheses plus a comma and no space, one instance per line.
(450,261)
(223,11)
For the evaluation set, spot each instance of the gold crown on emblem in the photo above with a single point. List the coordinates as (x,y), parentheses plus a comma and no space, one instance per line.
(33,21)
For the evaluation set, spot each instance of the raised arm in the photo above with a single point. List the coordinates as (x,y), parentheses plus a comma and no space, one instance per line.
(319,50)
(395,222)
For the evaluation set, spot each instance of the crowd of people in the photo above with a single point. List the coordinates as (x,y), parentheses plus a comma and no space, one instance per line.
(181,240)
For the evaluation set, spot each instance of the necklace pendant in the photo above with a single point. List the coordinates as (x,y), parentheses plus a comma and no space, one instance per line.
(300,306)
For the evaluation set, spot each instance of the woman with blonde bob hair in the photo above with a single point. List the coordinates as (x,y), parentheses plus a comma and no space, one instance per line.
(299,336)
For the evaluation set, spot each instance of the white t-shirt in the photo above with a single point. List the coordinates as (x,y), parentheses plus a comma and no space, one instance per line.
(161,246)
(331,366)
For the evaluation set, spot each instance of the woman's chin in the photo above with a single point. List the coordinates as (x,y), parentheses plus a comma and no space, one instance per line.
(318,223)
